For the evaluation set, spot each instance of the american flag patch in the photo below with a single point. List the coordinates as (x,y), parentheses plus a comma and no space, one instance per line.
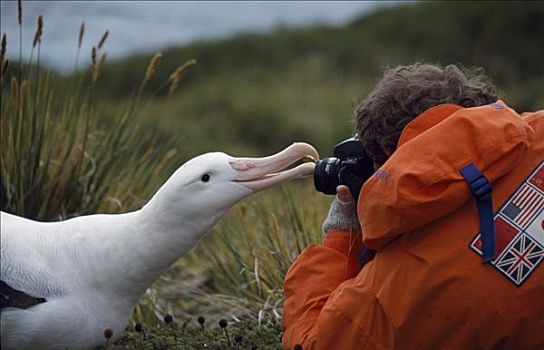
(519,230)
(524,206)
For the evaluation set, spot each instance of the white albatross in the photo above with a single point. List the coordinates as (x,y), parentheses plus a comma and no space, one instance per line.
(90,271)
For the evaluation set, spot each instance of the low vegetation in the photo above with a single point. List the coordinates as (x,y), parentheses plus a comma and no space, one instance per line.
(59,158)
(198,334)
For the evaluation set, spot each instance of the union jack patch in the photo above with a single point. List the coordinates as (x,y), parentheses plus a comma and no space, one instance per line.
(519,230)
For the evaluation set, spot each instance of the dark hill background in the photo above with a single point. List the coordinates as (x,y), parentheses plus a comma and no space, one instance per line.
(255,93)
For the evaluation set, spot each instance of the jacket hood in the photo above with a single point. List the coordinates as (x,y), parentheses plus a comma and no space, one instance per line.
(421,182)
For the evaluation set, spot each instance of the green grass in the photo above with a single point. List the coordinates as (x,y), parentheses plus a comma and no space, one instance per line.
(62,156)
(237,271)
(59,158)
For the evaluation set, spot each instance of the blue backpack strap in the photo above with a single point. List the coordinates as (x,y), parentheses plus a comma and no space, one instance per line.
(366,256)
(481,188)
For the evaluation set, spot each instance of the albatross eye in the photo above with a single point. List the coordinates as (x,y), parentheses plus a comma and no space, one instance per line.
(205,178)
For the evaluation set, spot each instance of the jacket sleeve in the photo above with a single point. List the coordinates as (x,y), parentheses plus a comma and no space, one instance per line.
(314,275)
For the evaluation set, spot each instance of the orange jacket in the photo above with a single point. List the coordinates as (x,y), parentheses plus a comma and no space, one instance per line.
(427,287)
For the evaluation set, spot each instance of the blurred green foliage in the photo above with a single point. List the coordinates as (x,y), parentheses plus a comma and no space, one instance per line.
(256,93)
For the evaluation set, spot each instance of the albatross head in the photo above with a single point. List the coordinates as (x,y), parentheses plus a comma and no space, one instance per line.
(190,202)
(206,186)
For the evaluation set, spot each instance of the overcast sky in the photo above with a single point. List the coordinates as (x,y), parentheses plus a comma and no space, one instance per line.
(137,26)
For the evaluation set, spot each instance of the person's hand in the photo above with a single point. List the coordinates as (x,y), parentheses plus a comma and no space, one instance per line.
(344,195)
(343,212)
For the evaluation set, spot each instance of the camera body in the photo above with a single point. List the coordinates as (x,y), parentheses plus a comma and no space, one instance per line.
(349,165)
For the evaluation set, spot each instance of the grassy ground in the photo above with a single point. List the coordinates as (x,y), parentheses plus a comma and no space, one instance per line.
(190,334)
(235,274)
(237,271)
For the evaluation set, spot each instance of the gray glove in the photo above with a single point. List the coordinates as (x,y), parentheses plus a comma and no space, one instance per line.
(342,216)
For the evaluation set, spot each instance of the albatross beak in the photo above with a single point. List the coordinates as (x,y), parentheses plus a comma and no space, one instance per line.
(261,173)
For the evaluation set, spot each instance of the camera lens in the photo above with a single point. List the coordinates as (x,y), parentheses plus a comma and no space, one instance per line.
(326,175)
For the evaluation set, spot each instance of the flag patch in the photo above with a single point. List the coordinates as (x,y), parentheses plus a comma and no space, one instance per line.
(521,259)
(519,230)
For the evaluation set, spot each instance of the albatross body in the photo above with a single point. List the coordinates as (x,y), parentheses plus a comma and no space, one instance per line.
(87,273)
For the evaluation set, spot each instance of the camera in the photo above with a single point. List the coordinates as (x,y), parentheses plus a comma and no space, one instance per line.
(349,165)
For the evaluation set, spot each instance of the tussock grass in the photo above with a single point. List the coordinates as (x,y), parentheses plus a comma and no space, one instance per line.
(237,271)
(59,157)
(253,248)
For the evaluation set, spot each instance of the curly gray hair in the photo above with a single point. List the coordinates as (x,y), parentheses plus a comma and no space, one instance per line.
(404,92)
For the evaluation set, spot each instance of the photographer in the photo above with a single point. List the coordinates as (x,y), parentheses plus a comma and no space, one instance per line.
(443,247)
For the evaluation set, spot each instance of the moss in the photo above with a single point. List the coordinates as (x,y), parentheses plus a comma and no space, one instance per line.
(190,335)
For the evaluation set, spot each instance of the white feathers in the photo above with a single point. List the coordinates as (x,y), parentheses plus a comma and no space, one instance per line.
(92,269)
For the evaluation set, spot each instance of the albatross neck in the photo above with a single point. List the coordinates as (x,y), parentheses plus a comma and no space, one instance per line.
(156,239)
